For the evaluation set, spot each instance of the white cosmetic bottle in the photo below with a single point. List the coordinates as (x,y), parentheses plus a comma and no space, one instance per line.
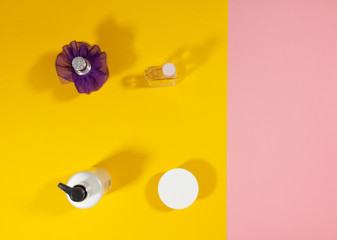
(85,189)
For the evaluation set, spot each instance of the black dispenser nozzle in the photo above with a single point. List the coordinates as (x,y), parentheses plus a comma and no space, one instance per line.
(76,193)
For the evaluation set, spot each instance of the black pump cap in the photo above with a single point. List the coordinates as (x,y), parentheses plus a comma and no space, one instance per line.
(76,193)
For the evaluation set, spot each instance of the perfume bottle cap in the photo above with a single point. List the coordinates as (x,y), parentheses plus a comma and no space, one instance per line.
(178,188)
(81,65)
(169,69)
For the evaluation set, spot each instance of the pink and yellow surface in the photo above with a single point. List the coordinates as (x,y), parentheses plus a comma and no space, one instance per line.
(49,131)
(280,178)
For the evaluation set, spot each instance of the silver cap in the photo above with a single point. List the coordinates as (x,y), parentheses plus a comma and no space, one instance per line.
(81,65)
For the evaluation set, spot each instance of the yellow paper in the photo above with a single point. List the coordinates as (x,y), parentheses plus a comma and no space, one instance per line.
(49,131)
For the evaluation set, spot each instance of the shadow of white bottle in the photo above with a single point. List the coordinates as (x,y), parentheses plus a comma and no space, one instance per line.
(85,189)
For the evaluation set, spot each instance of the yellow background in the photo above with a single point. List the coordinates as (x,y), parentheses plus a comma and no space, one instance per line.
(49,131)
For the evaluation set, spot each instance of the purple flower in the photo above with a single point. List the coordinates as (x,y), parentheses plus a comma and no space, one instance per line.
(84,65)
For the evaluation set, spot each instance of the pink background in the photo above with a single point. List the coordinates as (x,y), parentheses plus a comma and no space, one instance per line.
(282,120)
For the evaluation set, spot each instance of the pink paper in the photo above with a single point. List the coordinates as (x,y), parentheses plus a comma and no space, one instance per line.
(282,120)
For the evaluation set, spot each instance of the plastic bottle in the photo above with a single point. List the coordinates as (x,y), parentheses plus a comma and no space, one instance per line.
(85,189)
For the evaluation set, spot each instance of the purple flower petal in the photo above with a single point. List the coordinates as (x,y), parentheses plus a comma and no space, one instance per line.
(95,78)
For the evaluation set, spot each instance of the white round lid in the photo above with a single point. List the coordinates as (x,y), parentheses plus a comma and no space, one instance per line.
(169,69)
(178,188)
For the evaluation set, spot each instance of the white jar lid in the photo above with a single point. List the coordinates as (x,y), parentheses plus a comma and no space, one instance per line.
(178,188)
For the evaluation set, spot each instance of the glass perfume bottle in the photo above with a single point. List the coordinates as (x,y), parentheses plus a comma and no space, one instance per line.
(161,76)
(84,65)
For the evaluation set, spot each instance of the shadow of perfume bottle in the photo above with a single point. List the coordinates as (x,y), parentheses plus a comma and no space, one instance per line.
(117,42)
(134,81)
(188,59)
(43,77)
